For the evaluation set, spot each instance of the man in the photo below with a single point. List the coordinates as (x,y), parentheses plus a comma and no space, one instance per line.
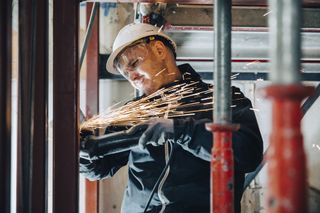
(176,150)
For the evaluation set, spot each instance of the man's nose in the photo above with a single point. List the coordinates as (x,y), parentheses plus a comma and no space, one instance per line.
(133,74)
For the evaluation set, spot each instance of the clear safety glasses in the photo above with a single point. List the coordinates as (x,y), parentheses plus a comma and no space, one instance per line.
(131,58)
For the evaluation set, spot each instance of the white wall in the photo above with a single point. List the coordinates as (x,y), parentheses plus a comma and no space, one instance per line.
(311,133)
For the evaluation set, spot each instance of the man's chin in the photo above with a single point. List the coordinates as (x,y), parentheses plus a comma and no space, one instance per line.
(150,91)
(145,88)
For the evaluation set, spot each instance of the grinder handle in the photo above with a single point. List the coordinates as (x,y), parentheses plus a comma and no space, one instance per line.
(95,147)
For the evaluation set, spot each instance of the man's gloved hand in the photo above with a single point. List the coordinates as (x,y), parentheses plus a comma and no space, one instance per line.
(85,133)
(158,132)
(86,148)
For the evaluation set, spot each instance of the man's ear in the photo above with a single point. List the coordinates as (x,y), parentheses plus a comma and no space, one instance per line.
(160,49)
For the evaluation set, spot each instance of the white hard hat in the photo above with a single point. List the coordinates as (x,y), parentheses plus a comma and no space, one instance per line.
(130,34)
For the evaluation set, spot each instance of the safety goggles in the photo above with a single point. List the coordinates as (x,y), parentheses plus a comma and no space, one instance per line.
(132,57)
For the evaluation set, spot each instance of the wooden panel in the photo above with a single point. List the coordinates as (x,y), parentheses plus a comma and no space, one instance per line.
(111,191)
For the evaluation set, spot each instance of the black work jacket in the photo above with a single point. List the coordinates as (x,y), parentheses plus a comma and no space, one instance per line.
(187,186)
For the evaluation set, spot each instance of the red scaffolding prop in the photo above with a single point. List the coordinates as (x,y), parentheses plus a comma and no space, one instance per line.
(286,157)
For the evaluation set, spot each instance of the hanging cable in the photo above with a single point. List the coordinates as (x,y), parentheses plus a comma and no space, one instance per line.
(172,147)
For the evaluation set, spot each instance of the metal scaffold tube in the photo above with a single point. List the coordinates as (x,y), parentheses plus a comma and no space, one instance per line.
(286,157)
(222,54)
(222,166)
(87,37)
(284,23)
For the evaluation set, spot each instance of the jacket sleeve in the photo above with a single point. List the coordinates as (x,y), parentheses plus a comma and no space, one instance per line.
(247,145)
(247,141)
(107,166)
(104,167)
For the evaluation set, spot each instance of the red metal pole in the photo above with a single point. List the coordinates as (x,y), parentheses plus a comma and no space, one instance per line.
(92,101)
(222,169)
(286,157)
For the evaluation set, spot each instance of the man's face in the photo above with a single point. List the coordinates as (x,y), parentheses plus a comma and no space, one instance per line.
(141,66)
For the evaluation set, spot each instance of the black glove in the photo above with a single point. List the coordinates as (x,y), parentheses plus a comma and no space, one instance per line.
(85,133)
(86,147)
(158,132)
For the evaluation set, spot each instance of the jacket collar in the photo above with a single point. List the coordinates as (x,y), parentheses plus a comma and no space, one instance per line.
(188,72)
(188,75)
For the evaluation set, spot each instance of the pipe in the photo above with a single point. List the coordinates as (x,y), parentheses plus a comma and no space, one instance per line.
(286,157)
(222,52)
(88,33)
(222,166)
(285,19)
(86,43)
(310,101)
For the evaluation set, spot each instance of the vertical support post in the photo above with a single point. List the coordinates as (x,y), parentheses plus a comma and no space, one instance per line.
(65,106)
(5,103)
(40,107)
(92,97)
(222,53)
(32,107)
(222,166)
(286,157)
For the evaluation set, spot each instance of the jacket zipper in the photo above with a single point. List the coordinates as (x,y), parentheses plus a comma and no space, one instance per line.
(162,197)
